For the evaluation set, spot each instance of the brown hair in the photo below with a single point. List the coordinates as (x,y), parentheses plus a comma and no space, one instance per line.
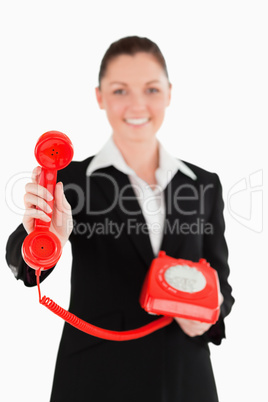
(131,45)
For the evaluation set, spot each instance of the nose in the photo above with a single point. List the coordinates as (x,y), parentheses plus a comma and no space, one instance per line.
(137,102)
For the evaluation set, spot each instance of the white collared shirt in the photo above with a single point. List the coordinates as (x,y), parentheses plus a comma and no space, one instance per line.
(151,200)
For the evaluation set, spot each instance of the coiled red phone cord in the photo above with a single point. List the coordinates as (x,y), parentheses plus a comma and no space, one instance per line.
(96,331)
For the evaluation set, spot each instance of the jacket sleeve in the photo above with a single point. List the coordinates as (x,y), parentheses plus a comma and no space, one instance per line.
(216,252)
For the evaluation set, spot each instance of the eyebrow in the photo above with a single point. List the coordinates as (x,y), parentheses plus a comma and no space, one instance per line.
(123,83)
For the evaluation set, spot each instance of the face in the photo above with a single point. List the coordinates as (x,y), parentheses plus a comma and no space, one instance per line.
(134,92)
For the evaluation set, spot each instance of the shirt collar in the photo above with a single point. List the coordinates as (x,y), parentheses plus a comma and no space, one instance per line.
(109,155)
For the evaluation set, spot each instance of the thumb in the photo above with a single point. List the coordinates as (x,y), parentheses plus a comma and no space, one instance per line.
(61,202)
(62,221)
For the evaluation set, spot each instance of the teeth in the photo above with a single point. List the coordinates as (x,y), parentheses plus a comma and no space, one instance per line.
(137,122)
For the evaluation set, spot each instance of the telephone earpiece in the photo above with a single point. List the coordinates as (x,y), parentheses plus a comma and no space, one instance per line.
(42,249)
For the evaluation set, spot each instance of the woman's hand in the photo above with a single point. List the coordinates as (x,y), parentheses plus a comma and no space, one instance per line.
(192,327)
(36,195)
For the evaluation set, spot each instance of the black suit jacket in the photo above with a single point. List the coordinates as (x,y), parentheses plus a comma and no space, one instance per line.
(111,255)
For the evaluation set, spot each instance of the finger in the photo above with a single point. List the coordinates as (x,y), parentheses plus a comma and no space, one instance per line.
(33,201)
(36,174)
(32,213)
(39,191)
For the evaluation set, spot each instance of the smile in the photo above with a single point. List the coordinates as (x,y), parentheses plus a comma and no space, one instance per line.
(137,122)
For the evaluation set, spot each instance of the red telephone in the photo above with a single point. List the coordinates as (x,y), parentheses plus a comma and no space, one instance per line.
(182,288)
(173,287)
(41,248)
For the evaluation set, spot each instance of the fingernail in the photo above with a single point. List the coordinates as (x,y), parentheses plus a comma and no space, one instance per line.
(48,208)
(49,197)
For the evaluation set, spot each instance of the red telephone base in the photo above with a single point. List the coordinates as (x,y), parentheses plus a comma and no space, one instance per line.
(181,288)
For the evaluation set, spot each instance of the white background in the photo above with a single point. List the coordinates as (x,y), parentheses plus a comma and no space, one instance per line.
(216,52)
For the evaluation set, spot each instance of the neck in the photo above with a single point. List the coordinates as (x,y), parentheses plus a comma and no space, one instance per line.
(142,157)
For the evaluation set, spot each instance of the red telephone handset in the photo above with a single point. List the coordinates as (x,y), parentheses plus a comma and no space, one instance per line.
(173,287)
(41,248)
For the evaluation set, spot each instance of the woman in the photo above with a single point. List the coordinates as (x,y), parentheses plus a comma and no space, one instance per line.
(121,207)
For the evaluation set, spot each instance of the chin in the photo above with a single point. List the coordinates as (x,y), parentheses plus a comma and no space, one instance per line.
(134,135)
(142,134)
(140,138)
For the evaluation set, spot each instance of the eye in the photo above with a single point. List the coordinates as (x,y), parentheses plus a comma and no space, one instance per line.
(119,92)
(152,90)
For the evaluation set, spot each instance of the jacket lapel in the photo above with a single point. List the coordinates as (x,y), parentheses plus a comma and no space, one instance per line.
(178,214)
(118,191)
